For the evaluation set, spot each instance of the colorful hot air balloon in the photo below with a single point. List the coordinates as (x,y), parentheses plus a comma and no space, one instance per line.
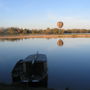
(60,24)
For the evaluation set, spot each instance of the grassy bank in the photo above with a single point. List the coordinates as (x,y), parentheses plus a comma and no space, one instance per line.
(46,36)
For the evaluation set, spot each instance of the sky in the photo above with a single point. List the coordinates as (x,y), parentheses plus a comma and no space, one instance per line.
(40,14)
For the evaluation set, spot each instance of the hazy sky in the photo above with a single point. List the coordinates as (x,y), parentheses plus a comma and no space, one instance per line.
(44,13)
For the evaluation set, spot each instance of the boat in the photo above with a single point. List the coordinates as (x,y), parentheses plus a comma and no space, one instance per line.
(31,69)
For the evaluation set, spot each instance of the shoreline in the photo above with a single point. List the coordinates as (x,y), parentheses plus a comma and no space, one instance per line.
(46,36)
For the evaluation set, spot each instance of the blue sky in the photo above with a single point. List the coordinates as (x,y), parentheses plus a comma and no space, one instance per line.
(45,13)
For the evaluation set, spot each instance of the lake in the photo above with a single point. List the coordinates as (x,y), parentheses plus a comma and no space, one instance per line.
(68,63)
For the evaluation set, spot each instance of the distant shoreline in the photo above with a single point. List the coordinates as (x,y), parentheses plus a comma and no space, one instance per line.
(46,36)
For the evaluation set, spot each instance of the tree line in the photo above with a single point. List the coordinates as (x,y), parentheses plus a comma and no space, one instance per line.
(20,31)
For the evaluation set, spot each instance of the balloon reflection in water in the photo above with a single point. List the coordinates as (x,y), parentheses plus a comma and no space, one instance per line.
(60,42)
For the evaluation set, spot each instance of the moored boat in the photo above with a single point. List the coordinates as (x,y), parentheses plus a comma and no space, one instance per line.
(31,69)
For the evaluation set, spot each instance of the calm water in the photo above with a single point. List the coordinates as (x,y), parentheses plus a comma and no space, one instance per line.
(68,64)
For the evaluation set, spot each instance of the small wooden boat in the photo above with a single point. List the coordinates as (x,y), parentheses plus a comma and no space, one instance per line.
(32,69)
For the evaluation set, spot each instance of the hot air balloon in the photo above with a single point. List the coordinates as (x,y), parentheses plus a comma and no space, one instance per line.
(60,24)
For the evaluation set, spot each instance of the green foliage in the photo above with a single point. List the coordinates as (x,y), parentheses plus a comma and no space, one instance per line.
(48,31)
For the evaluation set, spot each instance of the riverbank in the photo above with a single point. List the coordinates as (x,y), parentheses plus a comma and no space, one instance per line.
(46,36)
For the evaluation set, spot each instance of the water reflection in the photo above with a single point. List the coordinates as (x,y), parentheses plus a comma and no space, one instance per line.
(66,88)
(60,42)
(69,66)
(31,71)
(11,39)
